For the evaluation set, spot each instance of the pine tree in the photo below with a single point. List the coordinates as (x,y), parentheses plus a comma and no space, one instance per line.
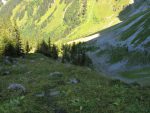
(66,53)
(19,49)
(43,48)
(54,52)
(9,50)
(49,46)
(27,48)
(73,51)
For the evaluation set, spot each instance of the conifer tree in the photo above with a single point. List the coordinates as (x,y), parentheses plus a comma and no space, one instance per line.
(54,52)
(65,53)
(9,50)
(43,48)
(73,51)
(27,48)
(49,46)
(19,50)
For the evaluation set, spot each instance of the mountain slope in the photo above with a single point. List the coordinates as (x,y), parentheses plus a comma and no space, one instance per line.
(62,18)
(123,50)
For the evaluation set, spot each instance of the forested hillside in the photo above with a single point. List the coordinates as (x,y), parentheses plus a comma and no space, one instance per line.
(62,18)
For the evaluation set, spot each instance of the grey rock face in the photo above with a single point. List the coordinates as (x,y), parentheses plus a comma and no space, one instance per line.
(16,86)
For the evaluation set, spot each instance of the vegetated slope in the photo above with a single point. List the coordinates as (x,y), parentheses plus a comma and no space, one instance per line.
(62,18)
(52,87)
(1,4)
(124,49)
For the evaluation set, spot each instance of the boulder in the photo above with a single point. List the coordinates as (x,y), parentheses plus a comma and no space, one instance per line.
(42,94)
(74,81)
(15,86)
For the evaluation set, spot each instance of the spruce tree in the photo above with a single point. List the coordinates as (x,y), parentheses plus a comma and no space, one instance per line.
(43,48)
(65,53)
(19,50)
(49,46)
(9,50)
(54,52)
(27,48)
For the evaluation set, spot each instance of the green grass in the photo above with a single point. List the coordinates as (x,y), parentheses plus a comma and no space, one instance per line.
(94,93)
(143,23)
(65,20)
(118,54)
(143,75)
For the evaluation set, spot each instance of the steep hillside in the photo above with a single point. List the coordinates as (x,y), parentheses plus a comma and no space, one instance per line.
(47,86)
(123,50)
(62,18)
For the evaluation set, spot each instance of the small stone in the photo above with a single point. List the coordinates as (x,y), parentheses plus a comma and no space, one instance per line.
(74,81)
(15,86)
(56,74)
(32,61)
(40,94)
(54,92)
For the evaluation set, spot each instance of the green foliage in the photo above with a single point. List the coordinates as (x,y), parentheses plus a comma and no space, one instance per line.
(10,40)
(75,54)
(54,52)
(44,48)
(27,48)
(12,106)
(62,18)
(18,46)
(118,54)
(94,93)
(48,49)
(9,50)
